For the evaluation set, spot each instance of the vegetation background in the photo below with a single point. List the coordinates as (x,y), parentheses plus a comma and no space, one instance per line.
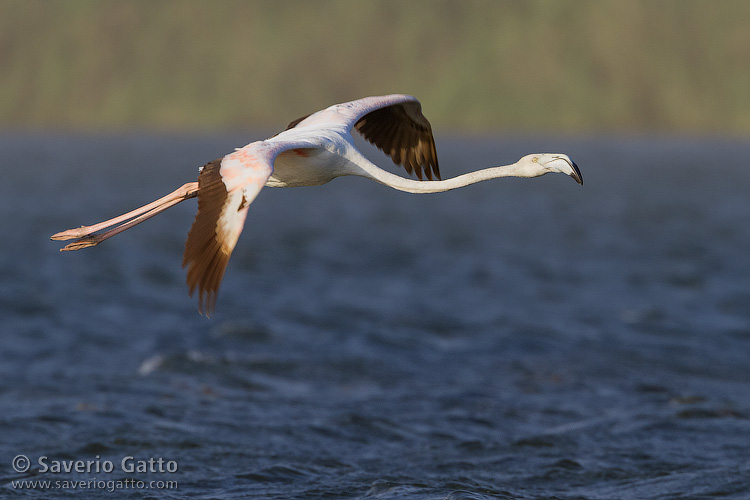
(578,66)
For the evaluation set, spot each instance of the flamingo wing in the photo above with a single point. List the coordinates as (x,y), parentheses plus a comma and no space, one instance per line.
(393,123)
(402,132)
(226,187)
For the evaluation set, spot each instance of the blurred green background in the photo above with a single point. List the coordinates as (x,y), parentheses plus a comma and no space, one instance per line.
(570,66)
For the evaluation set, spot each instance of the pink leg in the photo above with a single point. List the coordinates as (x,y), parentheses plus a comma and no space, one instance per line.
(126,221)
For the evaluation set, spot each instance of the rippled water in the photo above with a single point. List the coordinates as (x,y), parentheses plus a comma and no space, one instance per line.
(519,339)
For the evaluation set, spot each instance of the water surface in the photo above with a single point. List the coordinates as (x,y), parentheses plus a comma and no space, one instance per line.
(518,339)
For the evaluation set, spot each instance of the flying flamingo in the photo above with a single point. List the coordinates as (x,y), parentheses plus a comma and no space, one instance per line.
(311,151)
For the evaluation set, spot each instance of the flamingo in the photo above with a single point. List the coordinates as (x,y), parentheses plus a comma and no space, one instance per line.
(312,151)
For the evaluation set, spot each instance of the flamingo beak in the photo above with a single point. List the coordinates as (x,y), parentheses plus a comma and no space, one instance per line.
(570,168)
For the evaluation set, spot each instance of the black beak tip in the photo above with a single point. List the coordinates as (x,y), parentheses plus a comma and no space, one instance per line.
(577,173)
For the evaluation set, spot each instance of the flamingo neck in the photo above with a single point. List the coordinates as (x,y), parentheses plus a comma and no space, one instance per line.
(415,186)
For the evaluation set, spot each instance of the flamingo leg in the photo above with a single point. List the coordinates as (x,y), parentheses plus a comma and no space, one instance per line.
(86,238)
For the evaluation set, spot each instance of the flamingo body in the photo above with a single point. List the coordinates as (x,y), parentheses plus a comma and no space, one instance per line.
(312,151)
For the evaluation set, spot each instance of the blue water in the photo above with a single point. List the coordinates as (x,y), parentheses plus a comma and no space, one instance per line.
(518,339)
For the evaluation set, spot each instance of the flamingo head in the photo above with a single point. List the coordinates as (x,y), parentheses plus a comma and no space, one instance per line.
(543,163)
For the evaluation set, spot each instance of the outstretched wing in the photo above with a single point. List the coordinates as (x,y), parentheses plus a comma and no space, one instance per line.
(402,132)
(393,123)
(226,187)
